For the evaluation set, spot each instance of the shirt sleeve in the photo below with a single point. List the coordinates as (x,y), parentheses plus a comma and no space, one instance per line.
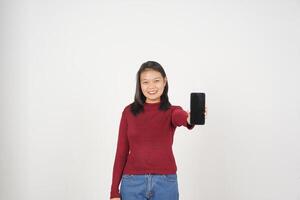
(120,157)
(179,118)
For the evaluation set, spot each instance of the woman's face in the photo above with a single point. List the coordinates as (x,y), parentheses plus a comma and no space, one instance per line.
(152,85)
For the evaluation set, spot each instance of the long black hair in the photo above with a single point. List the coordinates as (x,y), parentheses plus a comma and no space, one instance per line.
(139,99)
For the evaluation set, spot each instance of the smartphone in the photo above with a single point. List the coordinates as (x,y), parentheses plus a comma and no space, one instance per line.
(197,108)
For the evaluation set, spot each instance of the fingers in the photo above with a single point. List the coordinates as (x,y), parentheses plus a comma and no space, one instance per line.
(189,117)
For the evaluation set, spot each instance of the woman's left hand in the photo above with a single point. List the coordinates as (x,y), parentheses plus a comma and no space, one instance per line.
(189,115)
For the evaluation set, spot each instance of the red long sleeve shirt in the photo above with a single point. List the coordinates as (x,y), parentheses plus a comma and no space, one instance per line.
(145,142)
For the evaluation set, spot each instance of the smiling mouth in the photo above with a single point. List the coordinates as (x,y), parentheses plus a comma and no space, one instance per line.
(151,93)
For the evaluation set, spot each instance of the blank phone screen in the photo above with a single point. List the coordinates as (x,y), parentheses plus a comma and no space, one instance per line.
(197,106)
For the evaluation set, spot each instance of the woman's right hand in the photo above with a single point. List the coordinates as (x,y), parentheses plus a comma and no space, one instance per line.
(115,199)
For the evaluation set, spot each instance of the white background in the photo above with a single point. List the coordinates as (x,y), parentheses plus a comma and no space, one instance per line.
(68,69)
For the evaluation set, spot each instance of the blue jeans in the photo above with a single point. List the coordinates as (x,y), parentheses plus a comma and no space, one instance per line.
(149,187)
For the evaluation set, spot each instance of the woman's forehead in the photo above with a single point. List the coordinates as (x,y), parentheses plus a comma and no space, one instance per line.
(150,74)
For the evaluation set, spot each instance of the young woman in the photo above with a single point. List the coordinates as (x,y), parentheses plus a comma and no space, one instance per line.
(144,161)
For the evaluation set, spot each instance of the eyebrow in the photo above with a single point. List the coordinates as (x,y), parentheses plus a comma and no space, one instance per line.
(153,79)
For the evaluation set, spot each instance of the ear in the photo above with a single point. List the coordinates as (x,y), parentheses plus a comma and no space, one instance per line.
(165,81)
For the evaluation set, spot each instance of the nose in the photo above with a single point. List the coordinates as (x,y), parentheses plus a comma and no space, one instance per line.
(151,86)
